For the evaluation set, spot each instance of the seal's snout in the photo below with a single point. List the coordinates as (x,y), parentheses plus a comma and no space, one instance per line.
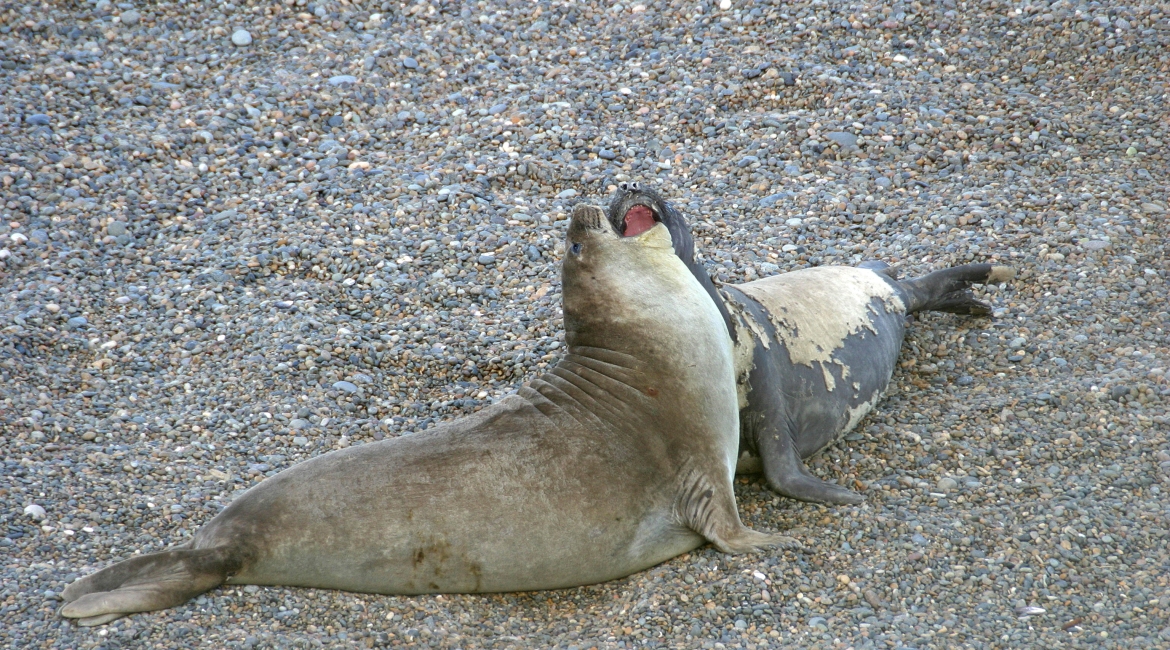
(587,220)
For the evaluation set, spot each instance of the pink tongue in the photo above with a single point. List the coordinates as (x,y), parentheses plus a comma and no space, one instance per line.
(639,219)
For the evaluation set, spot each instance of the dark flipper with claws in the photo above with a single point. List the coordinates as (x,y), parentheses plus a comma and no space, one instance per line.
(949,290)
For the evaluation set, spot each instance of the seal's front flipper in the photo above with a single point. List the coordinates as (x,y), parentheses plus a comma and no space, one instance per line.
(144,584)
(787,475)
(708,508)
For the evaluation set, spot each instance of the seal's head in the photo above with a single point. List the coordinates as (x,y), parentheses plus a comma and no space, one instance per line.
(634,210)
(624,289)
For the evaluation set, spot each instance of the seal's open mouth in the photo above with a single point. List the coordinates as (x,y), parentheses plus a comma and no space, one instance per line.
(638,220)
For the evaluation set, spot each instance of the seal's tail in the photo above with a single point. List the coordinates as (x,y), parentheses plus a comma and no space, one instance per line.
(144,584)
(949,290)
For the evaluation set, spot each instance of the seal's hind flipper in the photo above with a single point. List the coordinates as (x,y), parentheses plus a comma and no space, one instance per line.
(143,584)
(708,508)
(949,290)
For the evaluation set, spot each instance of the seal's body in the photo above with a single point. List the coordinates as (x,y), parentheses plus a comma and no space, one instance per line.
(620,458)
(814,349)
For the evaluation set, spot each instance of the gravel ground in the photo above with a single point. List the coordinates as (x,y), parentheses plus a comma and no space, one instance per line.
(235,236)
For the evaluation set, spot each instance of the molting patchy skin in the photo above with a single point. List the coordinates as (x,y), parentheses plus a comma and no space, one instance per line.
(814,349)
(619,458)
(797,302)
(812,333)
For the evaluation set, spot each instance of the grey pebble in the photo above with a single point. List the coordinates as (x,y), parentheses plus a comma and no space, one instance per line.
(35,512)
(409,63)
(772,199)
(337,80)
(346,386)
(129,18)
(116,228)
(38,119)
(241,37)
(842,138)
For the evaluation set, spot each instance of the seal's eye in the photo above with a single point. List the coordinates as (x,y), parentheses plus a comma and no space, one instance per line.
(576,248)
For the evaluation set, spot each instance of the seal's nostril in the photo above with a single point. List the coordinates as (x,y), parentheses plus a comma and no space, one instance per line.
(635,186)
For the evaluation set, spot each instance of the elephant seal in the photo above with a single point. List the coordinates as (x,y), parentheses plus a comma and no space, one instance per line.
(618,459)
(814,348)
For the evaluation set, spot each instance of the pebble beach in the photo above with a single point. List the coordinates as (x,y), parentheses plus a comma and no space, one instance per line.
(235,236)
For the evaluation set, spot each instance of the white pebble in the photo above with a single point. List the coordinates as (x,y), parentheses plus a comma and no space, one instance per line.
(36,512)
(241,37)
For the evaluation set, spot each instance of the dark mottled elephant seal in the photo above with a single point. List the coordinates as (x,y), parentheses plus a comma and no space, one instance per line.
(814,349)
(618,459)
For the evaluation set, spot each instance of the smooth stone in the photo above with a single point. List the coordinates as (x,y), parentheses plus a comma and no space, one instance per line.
(794,222)
(567,194)
(1096,245)
(947,484)
(606,154)
(346,386)
(241,37)
(497,109)
(38,119)
(342,79)
(410,63)
(486,259)
(883,182)
(300,441)
(78,321)
(336,120)
(130,17)
(116,228)
(36,512)
(224,215)
(1152,208)
(772,199)
(842,138)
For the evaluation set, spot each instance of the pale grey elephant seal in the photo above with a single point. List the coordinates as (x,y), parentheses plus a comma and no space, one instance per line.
(814,349)
(618,459)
